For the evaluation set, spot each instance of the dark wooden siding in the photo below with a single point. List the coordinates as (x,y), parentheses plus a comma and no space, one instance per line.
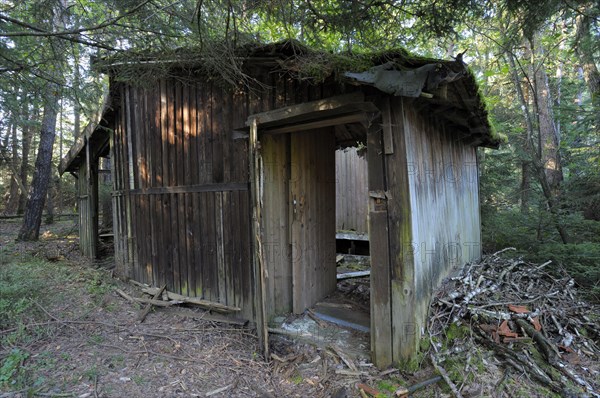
(181,191)
(181,198)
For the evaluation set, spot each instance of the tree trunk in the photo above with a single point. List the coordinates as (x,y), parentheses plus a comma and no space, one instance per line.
(534,154)
(26,145)
(548,139)
(13,199)
(32,220)
(50,199)
(525,186)
(585,51)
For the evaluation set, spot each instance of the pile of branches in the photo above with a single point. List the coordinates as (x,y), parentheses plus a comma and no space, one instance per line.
(529,315)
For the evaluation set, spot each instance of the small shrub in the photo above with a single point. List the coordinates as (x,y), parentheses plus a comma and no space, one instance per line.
(11,367)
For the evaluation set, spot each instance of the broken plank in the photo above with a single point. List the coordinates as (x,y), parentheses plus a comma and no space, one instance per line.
(344,357)
(146,310)
(354,274)
(158,303)
(211,305)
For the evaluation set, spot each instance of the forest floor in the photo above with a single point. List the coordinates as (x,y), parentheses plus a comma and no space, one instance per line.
(65,332)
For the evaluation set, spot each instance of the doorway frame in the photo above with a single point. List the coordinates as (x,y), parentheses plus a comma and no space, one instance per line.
(328,112)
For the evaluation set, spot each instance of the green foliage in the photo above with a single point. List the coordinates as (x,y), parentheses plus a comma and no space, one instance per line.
(11,369)
(580,260)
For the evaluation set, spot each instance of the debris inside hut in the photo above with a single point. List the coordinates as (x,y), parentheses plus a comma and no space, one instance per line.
(529,315)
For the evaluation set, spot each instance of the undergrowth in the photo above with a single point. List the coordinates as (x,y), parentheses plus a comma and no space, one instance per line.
(31,290)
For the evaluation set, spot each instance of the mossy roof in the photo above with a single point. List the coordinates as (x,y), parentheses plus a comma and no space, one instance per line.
(460,104)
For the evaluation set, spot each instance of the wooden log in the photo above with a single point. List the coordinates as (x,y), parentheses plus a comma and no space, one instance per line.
(547,349)
(192,300)
(146,310)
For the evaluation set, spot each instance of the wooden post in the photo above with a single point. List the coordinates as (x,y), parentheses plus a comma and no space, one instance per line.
(381,312)
(257,255)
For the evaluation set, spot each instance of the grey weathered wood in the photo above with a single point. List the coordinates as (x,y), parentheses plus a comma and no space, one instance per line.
(313,125)
(351,188)
(381,318)
(354,274)
(306,108)
(148,307)
(258,259)
(406,332)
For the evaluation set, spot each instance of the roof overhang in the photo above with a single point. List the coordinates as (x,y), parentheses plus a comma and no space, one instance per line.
(96,134)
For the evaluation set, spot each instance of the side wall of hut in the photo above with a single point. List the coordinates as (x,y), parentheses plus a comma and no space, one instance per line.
(443,189)
(181,191)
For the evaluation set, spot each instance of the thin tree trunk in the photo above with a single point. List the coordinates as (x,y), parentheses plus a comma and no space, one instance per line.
(26,146)
(13,199)
(525,186)
(32,220)
(50,200)
(585,53)
(534,155)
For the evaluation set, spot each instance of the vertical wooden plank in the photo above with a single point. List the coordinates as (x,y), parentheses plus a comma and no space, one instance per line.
(381,320)
(179,135)
(221,273)
(181,230)
(172,141)
(274,152)
(225,127)
(167,237)
(405,333)
(175,242)
(210,280)
(258,258)
(164,133)
(198,242)
(236,225)
(248,297)
(228,248)
(189,240)
(217,146)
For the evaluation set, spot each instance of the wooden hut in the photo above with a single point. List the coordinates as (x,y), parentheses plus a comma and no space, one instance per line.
(228,194)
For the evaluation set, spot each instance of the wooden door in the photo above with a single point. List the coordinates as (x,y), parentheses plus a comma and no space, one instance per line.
(312,215)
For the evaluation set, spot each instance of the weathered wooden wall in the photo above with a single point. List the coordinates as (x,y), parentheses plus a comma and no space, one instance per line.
(432,219)
(444,197)
(351,191)
(181,191)
(181,184)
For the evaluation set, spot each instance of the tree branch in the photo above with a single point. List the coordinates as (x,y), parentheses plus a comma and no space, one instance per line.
(37,31)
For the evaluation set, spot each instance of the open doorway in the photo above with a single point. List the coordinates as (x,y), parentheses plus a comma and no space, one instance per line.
(292,170)
(302,286)
(349,304)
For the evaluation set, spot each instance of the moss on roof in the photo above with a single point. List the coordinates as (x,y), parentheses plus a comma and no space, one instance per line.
(231,66)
